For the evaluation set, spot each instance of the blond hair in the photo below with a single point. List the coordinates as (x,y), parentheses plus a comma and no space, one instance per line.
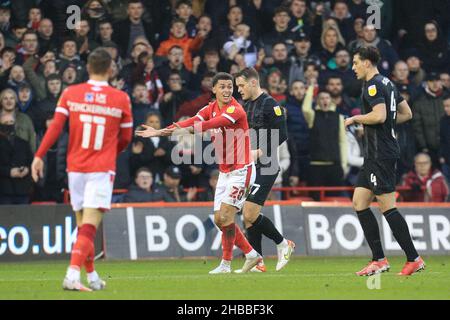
(4,92)
(340,38)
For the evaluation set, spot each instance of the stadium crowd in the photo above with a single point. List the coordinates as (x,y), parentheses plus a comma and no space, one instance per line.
(165,55)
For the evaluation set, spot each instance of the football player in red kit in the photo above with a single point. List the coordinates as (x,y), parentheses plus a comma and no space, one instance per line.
(227,121)
(100,127)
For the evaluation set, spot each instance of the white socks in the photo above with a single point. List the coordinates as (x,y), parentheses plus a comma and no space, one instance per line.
(283,244)
(252,254)
(93,276)
(73,274)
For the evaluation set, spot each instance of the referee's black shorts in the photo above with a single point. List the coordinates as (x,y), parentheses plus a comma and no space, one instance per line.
(378,176)
(261,188)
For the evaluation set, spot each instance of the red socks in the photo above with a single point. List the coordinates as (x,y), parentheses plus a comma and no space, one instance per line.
(228,238)
(84,247)
(241,241)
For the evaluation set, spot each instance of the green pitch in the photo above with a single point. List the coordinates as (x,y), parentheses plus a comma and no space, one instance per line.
(303,278)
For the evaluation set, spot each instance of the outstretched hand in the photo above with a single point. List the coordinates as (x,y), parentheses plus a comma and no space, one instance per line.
(149,132)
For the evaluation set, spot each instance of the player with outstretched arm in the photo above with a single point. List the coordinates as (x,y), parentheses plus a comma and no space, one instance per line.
(100,127)
(227,121)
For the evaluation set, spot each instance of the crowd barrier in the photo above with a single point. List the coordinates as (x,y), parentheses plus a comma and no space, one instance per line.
(177,230)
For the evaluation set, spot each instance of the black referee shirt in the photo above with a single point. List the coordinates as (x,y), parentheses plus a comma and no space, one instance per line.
(266,113)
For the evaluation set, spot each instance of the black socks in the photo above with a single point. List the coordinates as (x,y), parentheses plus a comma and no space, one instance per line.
(263,226)
(400,230)
(369,225)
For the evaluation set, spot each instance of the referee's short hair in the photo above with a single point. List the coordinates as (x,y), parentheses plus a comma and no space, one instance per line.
(222,76)
(370,53)
(248,73)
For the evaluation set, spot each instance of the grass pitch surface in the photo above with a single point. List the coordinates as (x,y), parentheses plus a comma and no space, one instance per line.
(302,278)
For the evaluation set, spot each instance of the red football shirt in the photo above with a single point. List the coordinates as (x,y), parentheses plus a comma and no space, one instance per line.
(98,115)
(231,141)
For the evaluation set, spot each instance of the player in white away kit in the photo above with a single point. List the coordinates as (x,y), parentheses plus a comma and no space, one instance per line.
(227,121)
(100,127)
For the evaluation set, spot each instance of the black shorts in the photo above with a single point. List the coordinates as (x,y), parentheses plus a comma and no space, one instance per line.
(378,176)
(261,188)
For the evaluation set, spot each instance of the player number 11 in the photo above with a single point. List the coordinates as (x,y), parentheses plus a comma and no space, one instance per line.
(87,121)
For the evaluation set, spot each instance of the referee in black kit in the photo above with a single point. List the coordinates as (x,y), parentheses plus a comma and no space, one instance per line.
(382,109)
(268,121)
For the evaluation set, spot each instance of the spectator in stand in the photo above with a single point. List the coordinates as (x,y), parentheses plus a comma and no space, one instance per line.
(388,55)
(210,63)
(23,125)
(145,73)
(281,32)
(17,31)
(29,45)
(298,132)
(434,50)
(105,32)
(400,77)
(70,75)
(5,18)
(155,153)
(275,86)
(34,18)
(15,162)
(183,10)
(212,41)
(16,78)
(331,41)
(354,152)
(141,105)
(7,60)
(46,36)
(328,143)
(25,100)
(427,185)
(240,43)
(289,69)
(191,107)
(175,64)
(141,45)
(126,31)
(234,17)
(179,37)
(142,189)
(300,17)
(173,98)
(36,71)
(49,188)
(85,41)
(53,87)
(344,104)
(428,110)
(95,12)
(210,190)
(352,86)
(302,51)
(171,188)
(445,79)
(311,73)
(358,8)
(344,19)
(416,73)
(69,55)
(445,139)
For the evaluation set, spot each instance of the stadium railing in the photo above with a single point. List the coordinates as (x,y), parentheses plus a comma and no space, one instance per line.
(291,193)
